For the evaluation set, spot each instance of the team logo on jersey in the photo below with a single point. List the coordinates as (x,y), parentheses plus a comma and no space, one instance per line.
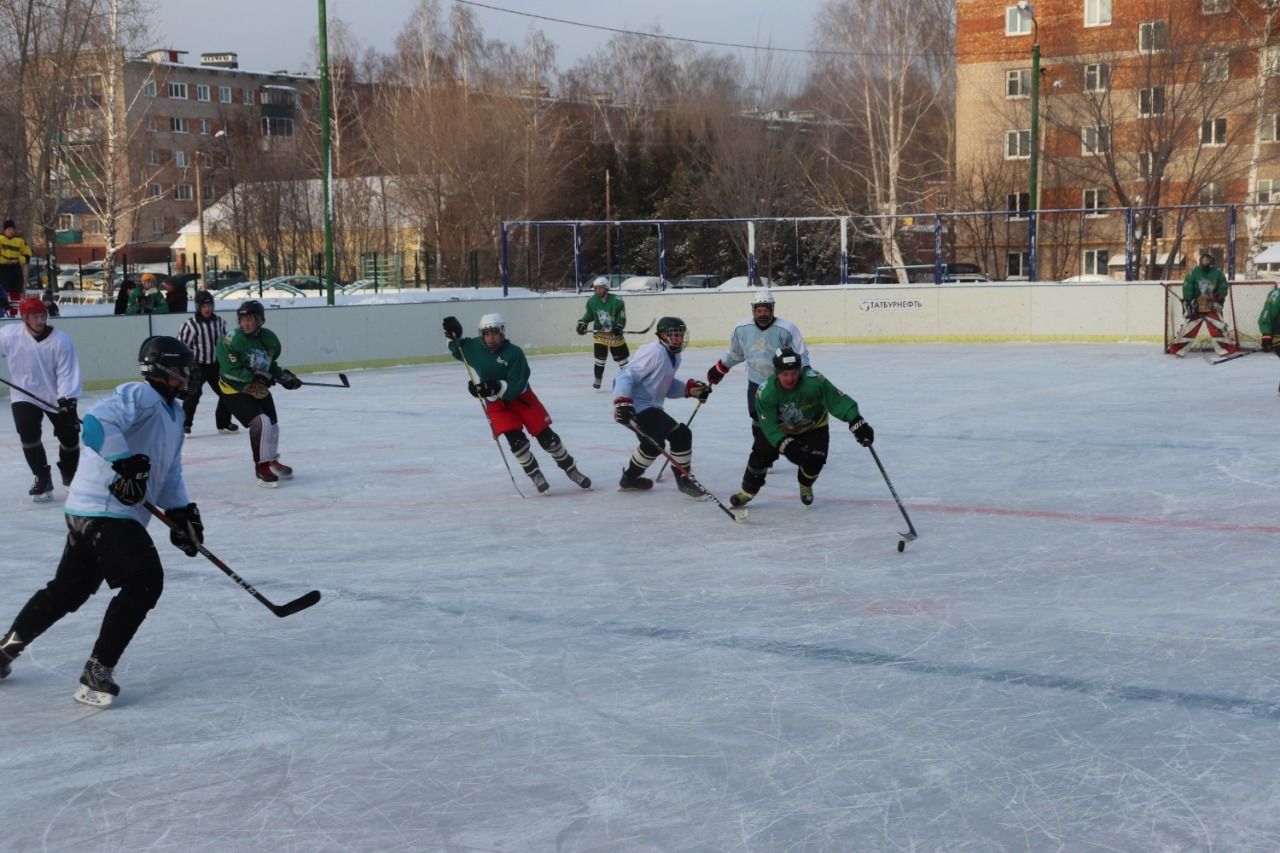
(793,419)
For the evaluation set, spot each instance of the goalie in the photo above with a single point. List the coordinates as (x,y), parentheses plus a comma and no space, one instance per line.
(1204,293)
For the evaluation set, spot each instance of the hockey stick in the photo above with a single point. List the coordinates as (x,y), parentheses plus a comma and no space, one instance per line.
(300,603)
(471,378)
(740,516)
(911,530)
(638,331)
(341,376)
(665,462)
(45,403)
(1234,356)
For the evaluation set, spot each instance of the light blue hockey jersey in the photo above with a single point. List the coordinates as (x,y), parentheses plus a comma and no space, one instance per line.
(134,419)
(649,377)
(750,344)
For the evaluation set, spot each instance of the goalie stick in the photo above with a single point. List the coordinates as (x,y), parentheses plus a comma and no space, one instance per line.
(740,516)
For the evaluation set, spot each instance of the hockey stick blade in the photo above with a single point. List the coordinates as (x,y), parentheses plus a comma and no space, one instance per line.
(302,602)
(1233,356)
(344,384)
(739,515)
(911,534)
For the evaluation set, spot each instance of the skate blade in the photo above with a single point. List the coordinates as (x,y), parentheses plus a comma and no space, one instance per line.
(689,497)
(263,484)
(44,498)
(288,476)
(93,698)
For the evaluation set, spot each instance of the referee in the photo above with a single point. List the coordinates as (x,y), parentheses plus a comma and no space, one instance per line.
(14,255)
(201,333)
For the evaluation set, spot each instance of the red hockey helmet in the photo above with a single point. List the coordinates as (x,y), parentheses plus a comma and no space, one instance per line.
(31,305)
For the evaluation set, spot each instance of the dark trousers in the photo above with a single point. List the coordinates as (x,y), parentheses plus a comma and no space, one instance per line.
(620,354)
(662,429)
(763,454)
(117,550)
(27,417)
(209,374)
(11,283)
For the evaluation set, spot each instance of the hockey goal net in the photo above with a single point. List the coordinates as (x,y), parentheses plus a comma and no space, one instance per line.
(1240,313)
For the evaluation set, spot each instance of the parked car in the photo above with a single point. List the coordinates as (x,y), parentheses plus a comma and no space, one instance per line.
(69,276)
(697,281)
(615,279)
(226,278)
(640,284)
(924,273)
(301,282)
(740,282)
(269,290)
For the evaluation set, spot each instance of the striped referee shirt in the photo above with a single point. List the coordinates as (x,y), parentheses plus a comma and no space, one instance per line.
(202,336)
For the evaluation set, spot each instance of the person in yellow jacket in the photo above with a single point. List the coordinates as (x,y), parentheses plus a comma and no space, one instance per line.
(14,256)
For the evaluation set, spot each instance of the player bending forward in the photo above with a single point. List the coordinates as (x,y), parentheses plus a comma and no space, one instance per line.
(639,391)
(133,452)
(792,410)
(512,407)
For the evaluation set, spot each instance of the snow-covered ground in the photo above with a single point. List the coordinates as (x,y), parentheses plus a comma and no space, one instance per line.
(1079,653)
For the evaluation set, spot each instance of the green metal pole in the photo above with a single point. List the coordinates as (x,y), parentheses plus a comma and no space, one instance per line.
(1033,202)
(325,151)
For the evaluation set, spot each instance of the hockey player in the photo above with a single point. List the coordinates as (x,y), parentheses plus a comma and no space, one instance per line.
(201,333)
(43,361)
(609,315)
(1204,293)
(1269,321)
(639,392)
(502,382)
(248,368)
(133,443)
(793,408)
(754,341)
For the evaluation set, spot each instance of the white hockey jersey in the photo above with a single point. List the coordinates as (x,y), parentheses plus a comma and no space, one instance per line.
(649,377)
(48,368)
(755,346)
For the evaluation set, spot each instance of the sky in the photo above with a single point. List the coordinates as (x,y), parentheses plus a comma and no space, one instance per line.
(280,34)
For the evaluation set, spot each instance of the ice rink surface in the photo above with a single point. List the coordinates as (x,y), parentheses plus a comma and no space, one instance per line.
(1080,653)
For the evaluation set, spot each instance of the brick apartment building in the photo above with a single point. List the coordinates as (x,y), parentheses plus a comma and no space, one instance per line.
(1167,103)
(191,130)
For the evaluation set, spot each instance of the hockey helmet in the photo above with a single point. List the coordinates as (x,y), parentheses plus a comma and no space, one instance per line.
(493,321)
(252,308)
(31,305)
(786,359)
(601,281)
(204,297)
(764,297)
(668,326)
(163,357)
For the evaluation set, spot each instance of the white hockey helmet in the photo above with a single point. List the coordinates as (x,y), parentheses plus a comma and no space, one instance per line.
(493,321)
(764,297)
(600,281)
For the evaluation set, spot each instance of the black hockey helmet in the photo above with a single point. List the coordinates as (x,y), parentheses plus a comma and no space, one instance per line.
(163,357)
(252,308)
(786,359)
(668,326)
(204,297)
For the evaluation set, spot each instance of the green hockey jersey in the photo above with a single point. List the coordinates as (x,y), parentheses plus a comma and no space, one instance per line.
(780,412)
(505,364)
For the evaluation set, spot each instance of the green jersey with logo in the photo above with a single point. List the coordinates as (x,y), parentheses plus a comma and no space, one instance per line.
(780,412)
(241,357)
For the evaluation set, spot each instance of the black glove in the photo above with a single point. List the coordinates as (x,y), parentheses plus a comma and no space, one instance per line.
(67,406)
(1266,347)
(288,381)
(130,485)
(1189,309)
(863,432)
(484,388)
(582,327)
(716,372)
(452,328)
(697,390)
(188,530)
(624,410)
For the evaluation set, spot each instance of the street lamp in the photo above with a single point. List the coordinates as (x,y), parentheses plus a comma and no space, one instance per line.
(1032,200)
(202,258)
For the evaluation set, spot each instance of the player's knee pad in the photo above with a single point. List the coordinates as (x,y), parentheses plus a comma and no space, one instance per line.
(142,591)
(549,441)
(680,439)
(516,441)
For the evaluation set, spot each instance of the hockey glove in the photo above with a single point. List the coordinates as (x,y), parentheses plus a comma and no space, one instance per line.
(188,530)
(582,327)
(697,390)
(257,389)
(863,432)
(1266,344)
(624,410)
(716,372)
(452,328)
(486,388)
(288,381)
(130,485)
(67,406)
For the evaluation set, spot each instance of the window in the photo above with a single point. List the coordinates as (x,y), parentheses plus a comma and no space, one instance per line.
(1097,13)
(248,95)
(1095,139)
(1211,193)
(156,190)
(1017,22)
(284,127)
(1271,60)
(1153,36)
(206,159)
(1151,101)
(1095,199)
(178,91)
(1097,78)
(205,126)
(1268,190)
(180,159)
(1214,7)
(202,91)
(1215,68)
(182,192)
(1017,83)
(150,122)
(1213,131)
(149,89)
(157,225)
(153,157)
(224,94)
(1017,144)
(1017,203)
(177,124)
(1095,262)
(1269,128)
(210,191)
(1016,264)
(1146,165)
(93,225)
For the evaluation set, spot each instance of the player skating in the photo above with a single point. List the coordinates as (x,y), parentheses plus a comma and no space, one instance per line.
(639,390)
(609,315)
(201,334)
(754,341)
(42,360)
(134,453)
(247,361)
(1269,321)
(502,382)
(792,409)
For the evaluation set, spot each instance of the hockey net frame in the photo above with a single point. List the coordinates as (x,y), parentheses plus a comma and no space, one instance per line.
(1240,312)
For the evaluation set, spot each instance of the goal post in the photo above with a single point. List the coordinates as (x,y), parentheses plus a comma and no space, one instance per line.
(1240,313)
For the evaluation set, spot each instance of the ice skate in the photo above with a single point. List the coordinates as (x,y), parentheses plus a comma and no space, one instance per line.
(186,429)
(97,688)
(741,498)
(229,429)
(283,471)
(806,494)
(10,647)
(596,385)
(67,475)
(636,483)
(41,490)
(688,489)
(540,482)
(266,477)
(577,476)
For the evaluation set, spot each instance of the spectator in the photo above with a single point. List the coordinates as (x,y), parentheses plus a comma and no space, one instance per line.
(122,297)
(50,300)
(148,299)
(175,295)
(14,257)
